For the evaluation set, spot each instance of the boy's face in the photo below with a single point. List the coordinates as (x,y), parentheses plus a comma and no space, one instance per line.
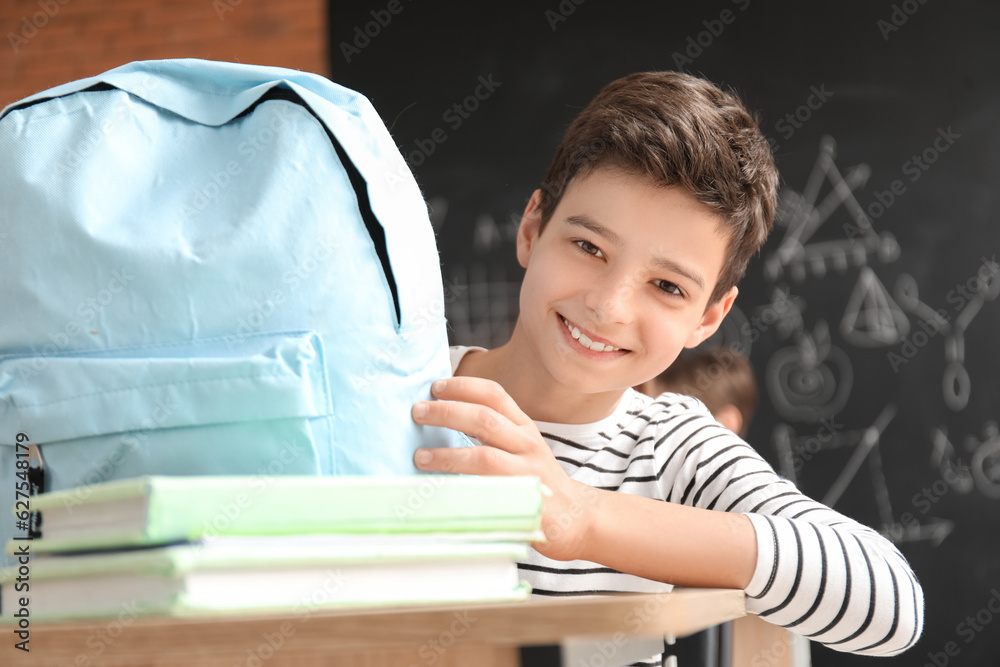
(621,264)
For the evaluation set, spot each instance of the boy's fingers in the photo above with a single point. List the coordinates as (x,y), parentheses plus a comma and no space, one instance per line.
(481,391)
(479,421)
(466,461)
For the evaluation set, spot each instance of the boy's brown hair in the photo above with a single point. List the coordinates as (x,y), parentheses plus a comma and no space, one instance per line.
(677,130)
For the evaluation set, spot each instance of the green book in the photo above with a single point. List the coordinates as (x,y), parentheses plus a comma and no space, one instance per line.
(291,575)
(162,509)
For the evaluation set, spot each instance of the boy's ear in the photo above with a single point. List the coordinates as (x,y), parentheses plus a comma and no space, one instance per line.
(730,417)
(712,318)
(528,230)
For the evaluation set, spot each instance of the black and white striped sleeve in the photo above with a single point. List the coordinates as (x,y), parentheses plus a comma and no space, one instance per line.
(819,573)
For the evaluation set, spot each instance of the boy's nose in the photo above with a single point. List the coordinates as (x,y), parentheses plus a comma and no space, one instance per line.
(612,300)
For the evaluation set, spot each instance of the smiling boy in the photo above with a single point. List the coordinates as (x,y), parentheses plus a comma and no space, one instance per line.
(631,255)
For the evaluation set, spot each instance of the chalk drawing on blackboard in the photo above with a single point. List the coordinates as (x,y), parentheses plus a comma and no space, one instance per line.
(802,215)
(484,308)
(784,312)
(487,233)
(796,451)
(932,529)
(811,379)
(956,383)
(948,461)
(867,448)
(982,473)
(872,318)
(986,463)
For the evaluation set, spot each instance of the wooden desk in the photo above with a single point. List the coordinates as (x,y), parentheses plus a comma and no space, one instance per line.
(482,635)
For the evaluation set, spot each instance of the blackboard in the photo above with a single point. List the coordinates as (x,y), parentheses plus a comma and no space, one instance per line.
(870,316)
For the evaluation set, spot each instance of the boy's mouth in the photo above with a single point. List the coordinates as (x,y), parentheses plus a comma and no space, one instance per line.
(584,340)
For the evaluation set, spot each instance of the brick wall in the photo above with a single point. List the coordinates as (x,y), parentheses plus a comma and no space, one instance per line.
(49,42)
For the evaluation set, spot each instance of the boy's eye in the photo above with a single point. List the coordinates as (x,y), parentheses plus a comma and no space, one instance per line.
(589,248)
(668,287)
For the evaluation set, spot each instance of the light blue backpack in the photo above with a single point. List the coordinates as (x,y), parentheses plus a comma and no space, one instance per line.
(211,268)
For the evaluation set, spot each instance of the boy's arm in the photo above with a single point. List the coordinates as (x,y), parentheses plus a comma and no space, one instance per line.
(813,570)
(622,531)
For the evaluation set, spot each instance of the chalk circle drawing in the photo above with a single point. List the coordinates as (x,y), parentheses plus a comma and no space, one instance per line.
(871,317)
(986,463)
(983,471)
(956,385)
(810,380)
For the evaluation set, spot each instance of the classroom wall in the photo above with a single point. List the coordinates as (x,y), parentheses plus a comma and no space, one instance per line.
(49,42)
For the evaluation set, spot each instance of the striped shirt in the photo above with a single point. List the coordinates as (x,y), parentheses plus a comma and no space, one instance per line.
(819,573)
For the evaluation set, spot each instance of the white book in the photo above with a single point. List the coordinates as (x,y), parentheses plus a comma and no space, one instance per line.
(286,574)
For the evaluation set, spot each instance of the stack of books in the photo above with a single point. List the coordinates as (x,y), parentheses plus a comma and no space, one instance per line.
(209,545)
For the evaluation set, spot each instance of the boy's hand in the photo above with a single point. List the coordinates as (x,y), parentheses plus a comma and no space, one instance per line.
(512,446)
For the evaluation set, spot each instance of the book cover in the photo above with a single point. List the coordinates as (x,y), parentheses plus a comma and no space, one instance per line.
(162,509)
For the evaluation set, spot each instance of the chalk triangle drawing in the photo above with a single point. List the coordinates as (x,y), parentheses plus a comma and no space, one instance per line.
(872,318)
(802,214)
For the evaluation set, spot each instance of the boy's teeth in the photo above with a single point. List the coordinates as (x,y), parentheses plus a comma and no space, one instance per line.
(586,342)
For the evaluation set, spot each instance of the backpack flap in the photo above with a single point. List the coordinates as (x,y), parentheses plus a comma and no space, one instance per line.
(173,408)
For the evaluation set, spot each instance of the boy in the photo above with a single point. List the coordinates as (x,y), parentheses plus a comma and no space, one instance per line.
(631,253)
